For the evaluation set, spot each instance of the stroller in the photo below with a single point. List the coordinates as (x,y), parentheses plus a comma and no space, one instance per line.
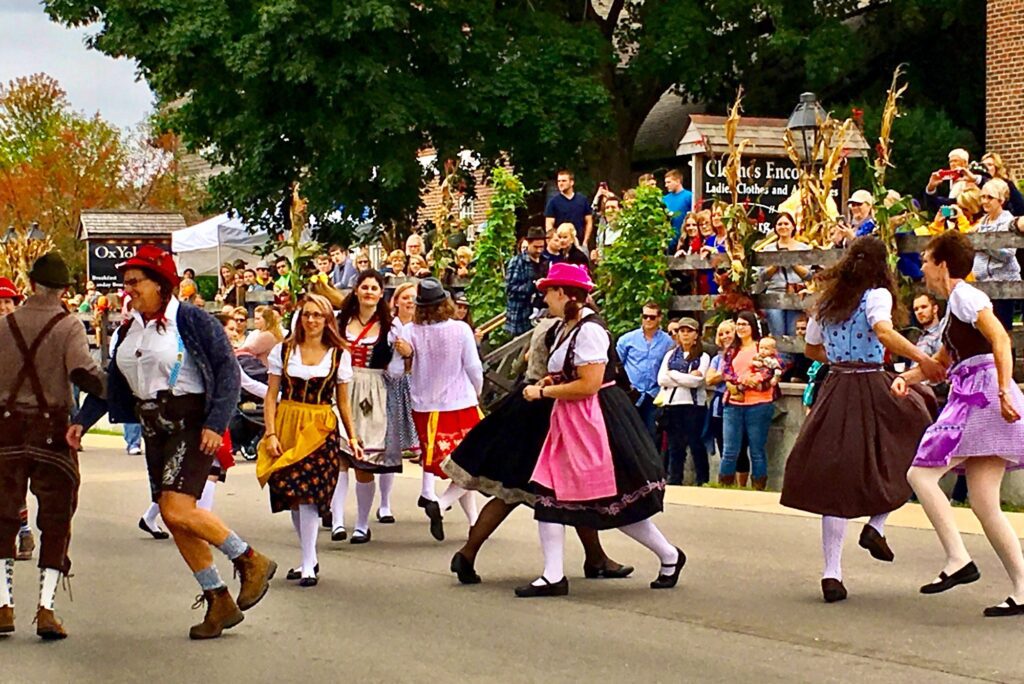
(246,426)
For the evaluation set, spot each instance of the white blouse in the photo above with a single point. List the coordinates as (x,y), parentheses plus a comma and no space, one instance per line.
(966,302)
(399,331)
(591,346)
(147,357)
(301,371)
(447,374)
(878,308)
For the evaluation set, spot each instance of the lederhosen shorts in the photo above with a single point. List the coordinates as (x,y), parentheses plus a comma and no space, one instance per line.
(172,427)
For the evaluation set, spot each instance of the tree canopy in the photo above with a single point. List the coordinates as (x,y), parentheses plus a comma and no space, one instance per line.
(341,96)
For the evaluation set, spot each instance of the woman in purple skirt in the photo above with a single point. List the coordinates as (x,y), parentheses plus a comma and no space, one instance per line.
(979,431)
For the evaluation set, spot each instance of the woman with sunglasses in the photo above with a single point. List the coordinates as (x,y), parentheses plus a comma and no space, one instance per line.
(300,454)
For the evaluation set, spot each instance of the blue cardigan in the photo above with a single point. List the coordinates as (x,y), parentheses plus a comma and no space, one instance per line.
(207,344)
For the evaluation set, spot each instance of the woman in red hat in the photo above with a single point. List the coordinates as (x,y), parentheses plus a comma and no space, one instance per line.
(598,467)
(10,297)
(173,370)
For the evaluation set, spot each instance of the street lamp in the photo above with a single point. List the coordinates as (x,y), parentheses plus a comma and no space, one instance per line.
(35,233)
(805,121)
(10,236)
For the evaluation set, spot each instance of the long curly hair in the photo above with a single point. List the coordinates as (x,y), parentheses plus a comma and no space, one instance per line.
(865,266)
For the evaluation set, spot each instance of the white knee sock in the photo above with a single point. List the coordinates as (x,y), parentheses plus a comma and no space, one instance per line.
(48,579)
(648,534)
(387,483)
(150,516)
(450,496)
(309,525)
(338,500)
(427,487)
(364,498)
(206,500)
(6,582)
(878,522)
(833,531)
(552,543)
(468,503)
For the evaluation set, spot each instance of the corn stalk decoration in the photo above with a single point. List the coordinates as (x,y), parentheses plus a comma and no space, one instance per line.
(448,219)
(889,114)
(741,233)
(19,253)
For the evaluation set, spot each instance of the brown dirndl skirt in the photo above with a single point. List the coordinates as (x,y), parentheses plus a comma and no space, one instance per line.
(856,445)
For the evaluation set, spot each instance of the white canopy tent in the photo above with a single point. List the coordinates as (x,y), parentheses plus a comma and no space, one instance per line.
(206,245)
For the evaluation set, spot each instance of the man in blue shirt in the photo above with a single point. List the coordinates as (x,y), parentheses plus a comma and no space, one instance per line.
(641,352)
(678,202)
(569,206)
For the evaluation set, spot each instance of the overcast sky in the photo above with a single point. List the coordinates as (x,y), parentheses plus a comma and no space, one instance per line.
(30,43)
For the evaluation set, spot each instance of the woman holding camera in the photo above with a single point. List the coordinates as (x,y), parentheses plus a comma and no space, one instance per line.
(784,279)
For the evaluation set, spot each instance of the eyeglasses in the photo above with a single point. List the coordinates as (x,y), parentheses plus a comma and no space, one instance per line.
(650,317)
(313,315)
(241,321)
(985,197)
(132,282)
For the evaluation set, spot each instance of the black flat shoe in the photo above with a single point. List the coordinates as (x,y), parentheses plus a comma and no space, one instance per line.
(559,588)
(309,581)
(1011,608)
(156,534)
(422,502)
(436,520)
(327,521)
(965,575)
(296,573)
(385,519)
(462,567)
(339,534)
(876,544)
(669,581)
(606,572)
(833,590)
(360,537)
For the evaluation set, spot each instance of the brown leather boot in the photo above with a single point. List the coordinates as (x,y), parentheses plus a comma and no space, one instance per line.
(760,483)
(6,619)
(727,480)
(256,571)
(221,613)
(48,627)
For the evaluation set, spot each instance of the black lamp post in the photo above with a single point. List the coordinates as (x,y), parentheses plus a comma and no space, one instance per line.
(804,122)
(35,233)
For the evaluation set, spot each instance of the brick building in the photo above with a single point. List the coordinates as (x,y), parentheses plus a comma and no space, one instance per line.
(1004,85)
(474,209)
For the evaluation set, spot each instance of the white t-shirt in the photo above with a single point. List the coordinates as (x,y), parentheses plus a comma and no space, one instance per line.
(301,371)
(966,302)
(591,346)
(147,357)
(879,308)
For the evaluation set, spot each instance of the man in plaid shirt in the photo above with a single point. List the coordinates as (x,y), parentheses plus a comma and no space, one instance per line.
(520,282)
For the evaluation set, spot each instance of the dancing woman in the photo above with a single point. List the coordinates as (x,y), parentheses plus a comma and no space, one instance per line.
(598,467)
(300,454)
(850,329)
(979,431)
(402,438)
(174,369)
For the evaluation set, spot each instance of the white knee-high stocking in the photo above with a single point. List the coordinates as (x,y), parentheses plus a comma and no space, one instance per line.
(833,532)
(338,501)
(48,579)
(387,483)
(6,582)
(648,534)
(552,544)
(469,507)
(206,500)
(427,487)
(364,500)
(309,525)
(450,496)
(878,522)
(150,516)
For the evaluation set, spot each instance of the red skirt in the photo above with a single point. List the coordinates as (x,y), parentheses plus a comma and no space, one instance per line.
(440,432)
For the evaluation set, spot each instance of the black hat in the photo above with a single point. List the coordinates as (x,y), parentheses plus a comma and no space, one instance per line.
(460,298)
(430,292)
(536,233)
(50,270)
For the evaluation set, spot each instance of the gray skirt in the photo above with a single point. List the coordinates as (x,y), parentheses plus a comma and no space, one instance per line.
(401,433)
(368,396)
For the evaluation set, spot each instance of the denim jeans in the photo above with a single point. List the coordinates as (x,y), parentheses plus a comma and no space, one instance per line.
(648,413)
(781,321)
(751,422)
(132,436)
(685,427)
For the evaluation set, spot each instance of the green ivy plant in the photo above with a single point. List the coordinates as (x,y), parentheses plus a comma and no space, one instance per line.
(634,267)
(494,248)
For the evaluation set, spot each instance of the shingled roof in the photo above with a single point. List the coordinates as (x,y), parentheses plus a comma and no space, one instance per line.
(706,135)
(109,223)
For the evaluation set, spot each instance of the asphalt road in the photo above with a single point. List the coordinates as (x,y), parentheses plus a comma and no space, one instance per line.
(748,607)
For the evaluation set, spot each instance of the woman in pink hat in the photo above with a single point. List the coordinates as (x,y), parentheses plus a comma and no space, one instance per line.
(598,467)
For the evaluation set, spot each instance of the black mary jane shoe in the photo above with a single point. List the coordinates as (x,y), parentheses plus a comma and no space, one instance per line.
(295,574)
(463,567)
(309,581)
(876,544)
(360,537)
(833,590)
(965,575)
(156,534)
(385,519)
(433,511)
(606,572)
(339,534)
(669,581)
(559,588)
(422,502)
(1011,608)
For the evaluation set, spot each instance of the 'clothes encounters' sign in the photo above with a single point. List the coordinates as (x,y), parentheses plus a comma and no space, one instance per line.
(104,255)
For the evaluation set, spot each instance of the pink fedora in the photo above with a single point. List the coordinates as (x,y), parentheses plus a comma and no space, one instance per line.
(566,275)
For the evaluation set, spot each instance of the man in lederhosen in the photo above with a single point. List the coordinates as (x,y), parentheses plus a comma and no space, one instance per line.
(44,350)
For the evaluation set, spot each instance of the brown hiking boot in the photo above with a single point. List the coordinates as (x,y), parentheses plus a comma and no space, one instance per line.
(48,626)
(760,483)
(727,480)
(26,545)
(6,619)
(256,571)
(221,613)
